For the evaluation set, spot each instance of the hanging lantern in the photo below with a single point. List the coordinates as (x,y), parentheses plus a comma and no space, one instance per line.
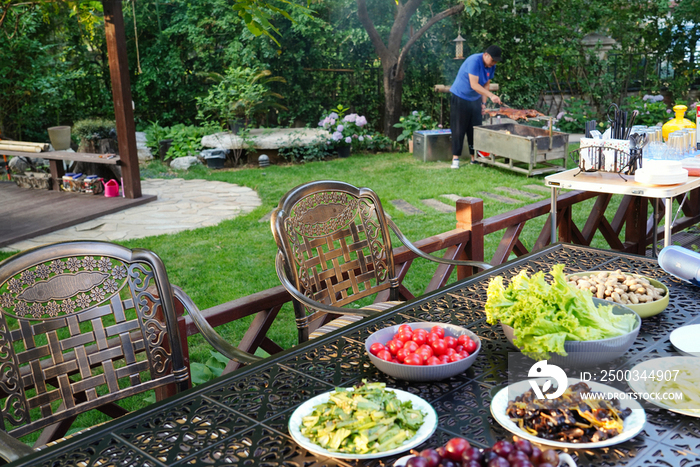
(459,46)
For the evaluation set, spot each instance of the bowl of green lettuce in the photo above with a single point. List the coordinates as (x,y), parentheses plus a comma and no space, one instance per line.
(560,323)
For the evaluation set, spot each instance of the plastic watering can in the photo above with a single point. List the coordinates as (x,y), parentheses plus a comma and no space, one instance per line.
(111,188)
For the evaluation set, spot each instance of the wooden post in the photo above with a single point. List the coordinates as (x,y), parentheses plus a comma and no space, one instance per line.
(470,216)
(121,95)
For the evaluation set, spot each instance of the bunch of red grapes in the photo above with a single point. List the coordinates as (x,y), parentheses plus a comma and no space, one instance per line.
(422,347)
(459,453)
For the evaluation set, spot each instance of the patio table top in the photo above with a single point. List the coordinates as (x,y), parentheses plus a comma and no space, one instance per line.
(241,418)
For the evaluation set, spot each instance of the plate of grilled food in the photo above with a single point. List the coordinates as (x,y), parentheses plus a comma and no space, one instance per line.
(583,417)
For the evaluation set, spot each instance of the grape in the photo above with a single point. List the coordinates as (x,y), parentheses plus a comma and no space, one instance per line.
(417,461)
(546,464)
(550,456)
(524,446)
(499,462)
(522,463)
(515,456)
(472,454)
(455,447)
(536,456)
(489,455)
(433,457)
(471,464)
(441,451)
(503,448)
(448,463)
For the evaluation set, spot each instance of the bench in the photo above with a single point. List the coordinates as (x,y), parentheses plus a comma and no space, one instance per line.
(57,170)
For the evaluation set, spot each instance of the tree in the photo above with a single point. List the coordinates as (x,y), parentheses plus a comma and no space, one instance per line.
(394,55)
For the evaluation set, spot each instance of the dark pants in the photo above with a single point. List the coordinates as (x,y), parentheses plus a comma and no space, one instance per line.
(464,116)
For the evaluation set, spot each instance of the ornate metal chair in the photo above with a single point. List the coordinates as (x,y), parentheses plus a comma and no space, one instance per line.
(335,248)
(82,325)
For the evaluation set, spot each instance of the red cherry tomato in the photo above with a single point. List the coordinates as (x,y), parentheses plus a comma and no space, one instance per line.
(444,359)
(385,355)
(451,342)
(394,346)
(433,361)
(393,360)
(459,348)
(420,338)
(405,328)
(410,347)
(433,337)
(404,336)
(425,352)
(450,352)
(463,339)
(464,353)
(439,347)
(471,346)
(439,330)
(376,348)
(401,355)
(413,359)
(455,357)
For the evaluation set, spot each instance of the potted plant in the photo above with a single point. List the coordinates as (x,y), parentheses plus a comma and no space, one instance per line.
(415,121)
(344,129)
(97,135)
(238,96)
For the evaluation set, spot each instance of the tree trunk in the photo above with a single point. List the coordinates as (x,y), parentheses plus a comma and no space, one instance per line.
(393,89)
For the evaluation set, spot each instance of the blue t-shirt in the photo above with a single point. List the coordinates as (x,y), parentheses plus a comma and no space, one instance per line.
(473,65)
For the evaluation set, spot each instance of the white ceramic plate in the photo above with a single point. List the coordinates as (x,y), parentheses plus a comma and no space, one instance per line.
(685,340)
(663,364)
(424,432)
(631,428)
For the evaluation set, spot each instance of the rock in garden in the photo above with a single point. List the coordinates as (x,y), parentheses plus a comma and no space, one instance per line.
(141,149)
(184,163)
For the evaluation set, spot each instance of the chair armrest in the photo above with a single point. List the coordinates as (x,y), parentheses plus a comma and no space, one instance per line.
(215,340)
(311,303)
(12,449)
(407,243)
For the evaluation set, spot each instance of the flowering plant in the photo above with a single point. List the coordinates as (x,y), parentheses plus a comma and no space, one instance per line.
(415,121)
(652,109)
(344,129)
(574,118)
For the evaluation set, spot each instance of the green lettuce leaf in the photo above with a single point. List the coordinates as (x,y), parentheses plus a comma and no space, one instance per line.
(545,315)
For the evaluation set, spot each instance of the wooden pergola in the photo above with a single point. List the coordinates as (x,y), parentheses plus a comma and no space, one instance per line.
(121,95)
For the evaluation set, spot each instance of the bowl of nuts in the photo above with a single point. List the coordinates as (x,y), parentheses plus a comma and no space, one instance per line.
(646,296)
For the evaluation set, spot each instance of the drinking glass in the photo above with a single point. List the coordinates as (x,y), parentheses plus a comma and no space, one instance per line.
(675,146)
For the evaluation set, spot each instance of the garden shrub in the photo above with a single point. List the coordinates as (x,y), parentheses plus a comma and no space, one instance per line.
(652,109)
(574,118)
(319,150)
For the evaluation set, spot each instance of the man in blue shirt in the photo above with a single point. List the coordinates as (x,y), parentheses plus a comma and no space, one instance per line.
(469,93)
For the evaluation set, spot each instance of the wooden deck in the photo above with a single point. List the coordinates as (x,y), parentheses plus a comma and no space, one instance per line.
(27,213)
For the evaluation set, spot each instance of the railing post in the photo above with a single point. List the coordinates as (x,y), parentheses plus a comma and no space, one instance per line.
(470,216)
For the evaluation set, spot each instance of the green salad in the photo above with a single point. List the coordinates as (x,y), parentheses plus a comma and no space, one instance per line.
(546,315)
(363,420)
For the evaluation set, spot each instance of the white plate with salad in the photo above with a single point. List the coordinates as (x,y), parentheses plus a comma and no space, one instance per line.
(632,425)
(669,377)
(422,433)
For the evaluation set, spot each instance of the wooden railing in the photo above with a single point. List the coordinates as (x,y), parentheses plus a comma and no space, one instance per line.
(467,242)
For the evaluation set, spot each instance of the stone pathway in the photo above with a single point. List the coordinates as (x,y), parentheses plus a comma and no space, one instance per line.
(516,192)
(181,205)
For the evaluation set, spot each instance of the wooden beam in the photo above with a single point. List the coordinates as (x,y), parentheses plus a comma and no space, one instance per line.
(121,95)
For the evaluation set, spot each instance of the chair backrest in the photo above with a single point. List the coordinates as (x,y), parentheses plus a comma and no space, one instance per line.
(83,324)
(336,245)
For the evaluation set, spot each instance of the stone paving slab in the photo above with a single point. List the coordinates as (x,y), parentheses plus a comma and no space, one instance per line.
(452,197)
(516,192)
(406,207)
(538,188)
(438,205)
(499,198)
(181,205)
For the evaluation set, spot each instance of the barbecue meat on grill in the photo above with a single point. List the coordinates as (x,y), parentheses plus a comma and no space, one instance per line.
(515,114)
(569,418)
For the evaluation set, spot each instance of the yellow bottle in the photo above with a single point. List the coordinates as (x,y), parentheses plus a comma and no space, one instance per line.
(677,123)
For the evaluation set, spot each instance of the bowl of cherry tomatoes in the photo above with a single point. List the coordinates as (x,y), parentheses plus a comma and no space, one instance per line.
(423,351)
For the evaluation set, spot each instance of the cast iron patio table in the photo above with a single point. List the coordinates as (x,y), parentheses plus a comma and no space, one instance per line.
(241,418)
